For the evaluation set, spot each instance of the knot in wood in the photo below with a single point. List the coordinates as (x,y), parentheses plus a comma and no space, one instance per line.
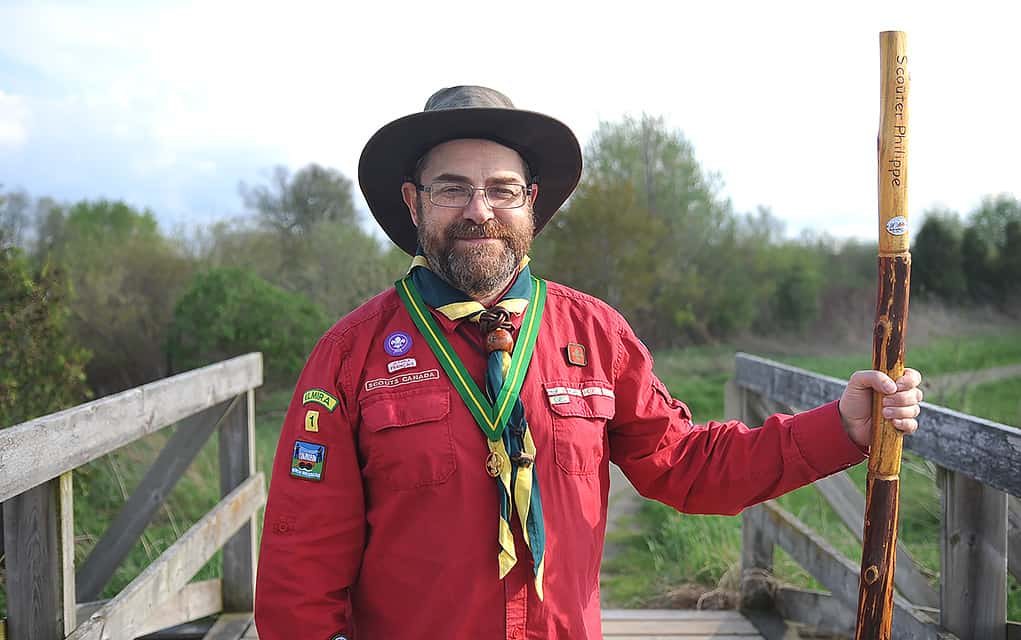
(495,318)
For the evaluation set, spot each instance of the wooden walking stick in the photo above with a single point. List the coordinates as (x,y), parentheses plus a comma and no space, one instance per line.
(879,547)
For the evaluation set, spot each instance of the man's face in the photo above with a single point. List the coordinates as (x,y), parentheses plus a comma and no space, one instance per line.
(475,248)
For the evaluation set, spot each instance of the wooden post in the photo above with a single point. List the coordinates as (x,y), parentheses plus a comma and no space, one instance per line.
(237,464)
(756,541)
(973,581)
(34,572)
(67,594)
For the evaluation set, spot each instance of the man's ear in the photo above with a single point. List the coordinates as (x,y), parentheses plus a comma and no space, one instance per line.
(409,192)
(533,195)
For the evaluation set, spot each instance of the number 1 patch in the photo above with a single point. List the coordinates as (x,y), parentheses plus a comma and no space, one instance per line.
(307,460)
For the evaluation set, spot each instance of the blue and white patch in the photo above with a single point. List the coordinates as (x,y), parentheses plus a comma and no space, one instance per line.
(307,460)
(397,343)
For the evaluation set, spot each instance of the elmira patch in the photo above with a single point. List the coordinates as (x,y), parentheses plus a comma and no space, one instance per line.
(307,460)
(319,396)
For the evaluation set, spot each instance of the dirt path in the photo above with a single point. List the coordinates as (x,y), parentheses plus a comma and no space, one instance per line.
(938,386)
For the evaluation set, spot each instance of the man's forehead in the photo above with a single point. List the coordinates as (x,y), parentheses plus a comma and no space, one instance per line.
(472,153)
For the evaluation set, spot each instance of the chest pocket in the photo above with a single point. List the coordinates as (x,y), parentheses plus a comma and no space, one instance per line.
(406,438)
(580,412)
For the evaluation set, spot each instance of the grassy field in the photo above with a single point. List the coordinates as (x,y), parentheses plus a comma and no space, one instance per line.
(666,552)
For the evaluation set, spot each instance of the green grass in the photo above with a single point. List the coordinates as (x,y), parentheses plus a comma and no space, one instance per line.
(670,549)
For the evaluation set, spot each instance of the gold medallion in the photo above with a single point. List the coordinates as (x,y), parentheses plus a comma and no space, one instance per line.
(494,464)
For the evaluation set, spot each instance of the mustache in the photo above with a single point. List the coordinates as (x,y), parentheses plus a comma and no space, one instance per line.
(467,230)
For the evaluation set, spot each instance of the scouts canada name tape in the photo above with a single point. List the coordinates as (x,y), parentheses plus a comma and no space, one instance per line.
(407,378)
(319,396)
(580,393)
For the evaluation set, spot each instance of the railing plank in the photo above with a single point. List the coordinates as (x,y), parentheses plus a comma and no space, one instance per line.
(818,610)
(237,464)
(973,598)
(122,535)
(229,626)
(33,564)
(1014,537)
(849,504)
(125,614)
(840,575)
(981,449)
(39,450)
(193,602)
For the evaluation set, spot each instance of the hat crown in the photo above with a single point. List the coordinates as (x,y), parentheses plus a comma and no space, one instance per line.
(467,97)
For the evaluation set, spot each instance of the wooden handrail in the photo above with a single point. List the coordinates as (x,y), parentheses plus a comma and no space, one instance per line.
(978,462)
(981,449)
(39,450)
(36,460)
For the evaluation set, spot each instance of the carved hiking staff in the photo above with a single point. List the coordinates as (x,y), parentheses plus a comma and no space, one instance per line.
(875,592)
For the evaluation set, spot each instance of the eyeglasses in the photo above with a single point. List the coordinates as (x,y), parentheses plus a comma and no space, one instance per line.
(459,194)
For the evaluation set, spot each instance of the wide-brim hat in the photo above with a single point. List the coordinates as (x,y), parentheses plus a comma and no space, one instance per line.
(389,158)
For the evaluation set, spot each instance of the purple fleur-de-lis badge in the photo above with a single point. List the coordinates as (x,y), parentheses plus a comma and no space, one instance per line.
(397,343)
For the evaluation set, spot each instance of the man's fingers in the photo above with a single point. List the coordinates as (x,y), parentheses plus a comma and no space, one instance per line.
(910,411)
(876,380)
(903,398)
(905,425)
(910,379)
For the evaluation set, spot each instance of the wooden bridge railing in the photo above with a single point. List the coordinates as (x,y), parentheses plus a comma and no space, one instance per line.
(46,597)
(979,464)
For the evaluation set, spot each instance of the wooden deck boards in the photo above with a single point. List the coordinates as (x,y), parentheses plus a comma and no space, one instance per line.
(659,624)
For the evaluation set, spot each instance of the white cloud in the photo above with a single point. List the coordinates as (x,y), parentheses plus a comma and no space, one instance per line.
(14,114)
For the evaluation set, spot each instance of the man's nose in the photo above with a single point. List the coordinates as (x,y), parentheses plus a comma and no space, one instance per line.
(477,210)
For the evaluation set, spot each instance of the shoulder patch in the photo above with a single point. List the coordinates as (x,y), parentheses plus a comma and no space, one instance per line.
(307,460)
(319,396)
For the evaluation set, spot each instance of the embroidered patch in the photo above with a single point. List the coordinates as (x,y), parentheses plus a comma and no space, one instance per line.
(319,396)
(407,378)
(312,421)
(576,354)
(397,365)
(559,399)
(397,343)
(307,460)
(584,392)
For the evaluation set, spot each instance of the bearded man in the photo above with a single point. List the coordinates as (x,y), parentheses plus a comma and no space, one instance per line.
(443,469)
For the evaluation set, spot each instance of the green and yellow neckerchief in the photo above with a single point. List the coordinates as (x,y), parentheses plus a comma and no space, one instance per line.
(499,412)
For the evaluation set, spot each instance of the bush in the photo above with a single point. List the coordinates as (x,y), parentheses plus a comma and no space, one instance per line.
(229,311)
(41,363)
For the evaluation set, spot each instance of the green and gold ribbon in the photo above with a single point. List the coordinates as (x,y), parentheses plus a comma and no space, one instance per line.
(500,407)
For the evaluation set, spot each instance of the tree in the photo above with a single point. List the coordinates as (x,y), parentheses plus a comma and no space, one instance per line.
(14,217)
(1010,263)
(294,205)
(646,230)
(126,277)
(936,255)
(41,362)
(977,266)
(993,215)
(229,311)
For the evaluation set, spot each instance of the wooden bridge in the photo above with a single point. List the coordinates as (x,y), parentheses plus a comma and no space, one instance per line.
(49,598)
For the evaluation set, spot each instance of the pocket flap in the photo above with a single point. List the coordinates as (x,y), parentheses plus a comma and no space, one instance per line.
(586,399)
(405,408)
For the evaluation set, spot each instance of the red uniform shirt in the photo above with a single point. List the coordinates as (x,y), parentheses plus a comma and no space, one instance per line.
(398,538)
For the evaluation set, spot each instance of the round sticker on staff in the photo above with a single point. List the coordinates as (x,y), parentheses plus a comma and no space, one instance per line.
(897,226)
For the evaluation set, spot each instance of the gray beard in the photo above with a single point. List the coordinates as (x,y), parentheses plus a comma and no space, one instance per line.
(474,271)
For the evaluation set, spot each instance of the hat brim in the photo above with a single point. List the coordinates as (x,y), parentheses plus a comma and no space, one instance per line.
(547,145)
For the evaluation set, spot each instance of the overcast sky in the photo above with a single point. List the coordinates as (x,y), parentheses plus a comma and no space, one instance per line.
(169,105)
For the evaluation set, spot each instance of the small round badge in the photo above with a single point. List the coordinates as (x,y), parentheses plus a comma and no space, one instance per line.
(397,343)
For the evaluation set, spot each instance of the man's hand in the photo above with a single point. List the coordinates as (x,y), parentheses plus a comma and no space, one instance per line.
(900,403)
